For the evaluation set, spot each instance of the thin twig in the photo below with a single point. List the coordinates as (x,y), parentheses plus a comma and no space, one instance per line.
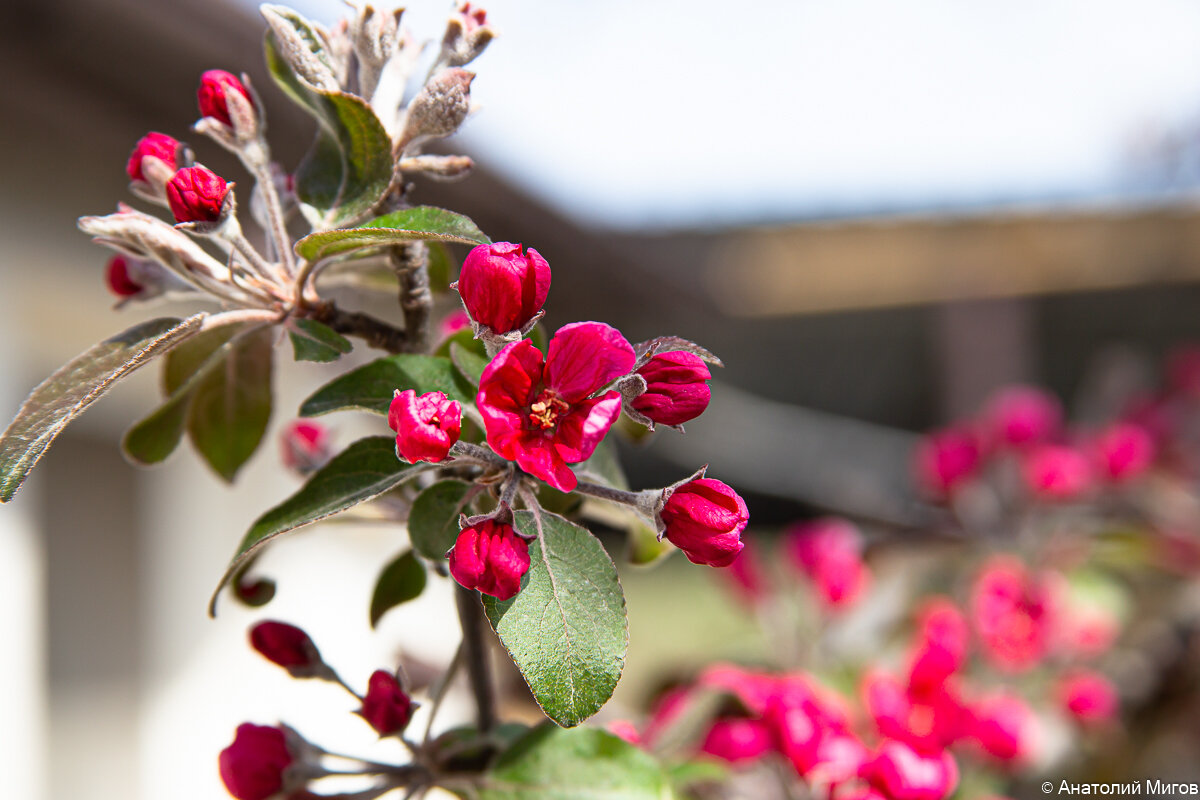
(442,690)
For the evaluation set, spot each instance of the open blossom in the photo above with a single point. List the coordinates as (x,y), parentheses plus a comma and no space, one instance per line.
(1022,415)
(829,551)
(947,459)
(215,84)
(902,773)
(253,766)
(542,414)
(154,145)
(502,287)
(705,518)
(676,388)
(386,706)
(196,194)
(426,425)
(929,722)
(1013,613)
(491,557)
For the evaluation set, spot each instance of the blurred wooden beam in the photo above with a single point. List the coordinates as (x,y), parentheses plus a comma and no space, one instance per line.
(836,266)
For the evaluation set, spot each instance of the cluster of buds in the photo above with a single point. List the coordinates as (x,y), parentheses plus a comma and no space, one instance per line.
(276,761)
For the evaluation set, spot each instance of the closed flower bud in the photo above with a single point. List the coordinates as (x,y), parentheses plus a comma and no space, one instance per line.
(215,84)
(1088,696)
(386,706)
(287,646)
(1004,727)
(705,518)
(490,557)
(676,391)
(153,145)
(253,767)
(1022,415)
(1123,452)
(1056,472)
(502,287)
(120,281)
(945,460)
(738,740)
(467,35)
(304,446)
(439,108)
(196,194)
(426,426)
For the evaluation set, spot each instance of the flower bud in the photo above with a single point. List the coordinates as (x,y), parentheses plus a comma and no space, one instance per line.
(215,84)
(386,706)
(1088,696)
(676,391)
(426,426)
(287,646)
(304,446)
(1022,415)
(1123,452)
(467,35)
(120,281)
(941,647)
(902,773)
(737,740)
(196,194)
(626,730)
(945,460)
(502,287)
(1056,472)
(705,518)
(253,766)
(490,557)
(828,552)
(747,577)
(453,322)
(153,145)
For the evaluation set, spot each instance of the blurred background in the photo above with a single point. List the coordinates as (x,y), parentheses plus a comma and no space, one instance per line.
(875,213)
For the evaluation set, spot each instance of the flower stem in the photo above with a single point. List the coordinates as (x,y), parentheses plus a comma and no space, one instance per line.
(606,493)
(474,652)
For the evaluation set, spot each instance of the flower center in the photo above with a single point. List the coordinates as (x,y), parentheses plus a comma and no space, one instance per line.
(544,413)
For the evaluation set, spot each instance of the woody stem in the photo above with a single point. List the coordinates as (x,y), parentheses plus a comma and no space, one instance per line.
(475,656)
(605,493)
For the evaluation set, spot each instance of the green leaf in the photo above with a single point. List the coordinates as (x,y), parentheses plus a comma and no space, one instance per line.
(363,471)
(469,364)
(154,438)
(349,167)
(441,267)
(549,763)
(423,223)
(230,408)
(401,581)
(433,519)
(316,341)
(566,629)
(65,394)
(372,386)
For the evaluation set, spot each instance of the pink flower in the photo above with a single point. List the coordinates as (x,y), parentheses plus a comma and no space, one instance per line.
(676,391)
(929,722)
(945,460)
(1022,415)
(737,739)
(386,707)
(1056,472)
(1088,696)
(304,445)
(154,145)
(544,416)
(828,551)
(426,426)
(798,721)
(705,518)
(1004,727)
(502,287)
(490,557)
(253,766)
(1123,452)
(119,281)
(624,729)
(454,322)
(215,84)
(753,689)
(941,646)
(840,757)
(196,194)
(903,774)
(1012,613)
(287,646)
(746,575)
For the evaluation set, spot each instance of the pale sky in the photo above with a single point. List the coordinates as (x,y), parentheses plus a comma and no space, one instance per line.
(632,113)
